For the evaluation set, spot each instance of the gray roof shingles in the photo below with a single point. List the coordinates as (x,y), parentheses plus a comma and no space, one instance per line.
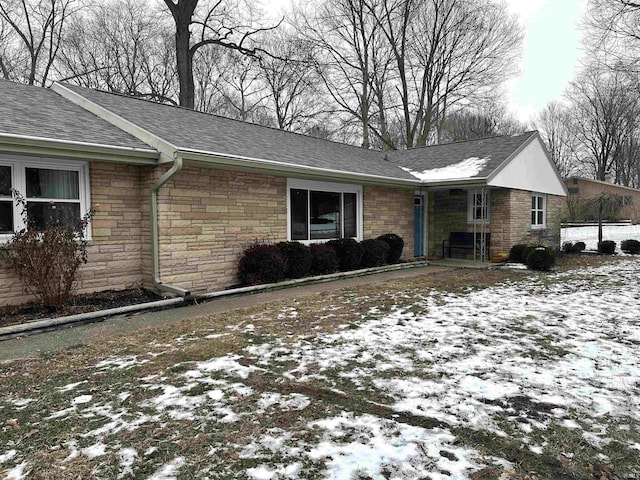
(496,149)
(188,129)
(39,112)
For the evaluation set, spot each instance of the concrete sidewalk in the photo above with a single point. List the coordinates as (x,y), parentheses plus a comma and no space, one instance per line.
(49,342)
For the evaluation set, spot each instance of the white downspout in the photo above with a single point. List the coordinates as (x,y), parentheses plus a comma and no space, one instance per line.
(155,243)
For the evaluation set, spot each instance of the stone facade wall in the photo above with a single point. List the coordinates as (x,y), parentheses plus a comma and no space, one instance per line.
(509,218)
(207,217)
(114,253)
(389,210)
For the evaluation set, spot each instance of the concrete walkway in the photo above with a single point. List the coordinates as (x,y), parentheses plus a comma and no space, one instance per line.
(42,344)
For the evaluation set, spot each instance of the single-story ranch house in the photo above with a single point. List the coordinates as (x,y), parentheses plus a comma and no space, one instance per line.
(180,193)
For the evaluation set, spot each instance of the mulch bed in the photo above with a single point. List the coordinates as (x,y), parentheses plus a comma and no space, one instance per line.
(90,302)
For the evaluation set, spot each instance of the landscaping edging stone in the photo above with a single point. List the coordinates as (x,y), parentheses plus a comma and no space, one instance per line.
(49,324)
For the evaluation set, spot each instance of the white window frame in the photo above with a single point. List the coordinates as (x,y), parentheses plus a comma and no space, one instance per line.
(318,186)
(18,182)
(536,226)
(471,206)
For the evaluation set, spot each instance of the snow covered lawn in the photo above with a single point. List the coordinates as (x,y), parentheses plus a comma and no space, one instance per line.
(589,235)
(479,377)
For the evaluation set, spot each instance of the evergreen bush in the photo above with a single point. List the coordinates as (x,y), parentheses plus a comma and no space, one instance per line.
(396,244)
(375,253)
(298,257)
(541,258)
(261,263)
(323,259)
(349,253)
(607,247)
(630,246)
(517,253)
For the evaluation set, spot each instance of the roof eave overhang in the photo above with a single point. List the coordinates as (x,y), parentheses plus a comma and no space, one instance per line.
(166,150)
(456,182)
(41,146)
(227,161)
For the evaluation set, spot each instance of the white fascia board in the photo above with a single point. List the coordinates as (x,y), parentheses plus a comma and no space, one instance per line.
(529,168)
(289,169)
(166,149)
(31,145)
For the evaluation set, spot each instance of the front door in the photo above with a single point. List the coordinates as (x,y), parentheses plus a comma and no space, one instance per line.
(418,225)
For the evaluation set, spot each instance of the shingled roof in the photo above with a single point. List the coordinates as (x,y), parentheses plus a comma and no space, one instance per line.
(469,159)
(41,113)
(187,129)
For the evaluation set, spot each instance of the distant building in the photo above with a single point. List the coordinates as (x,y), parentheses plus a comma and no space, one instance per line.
(583,192)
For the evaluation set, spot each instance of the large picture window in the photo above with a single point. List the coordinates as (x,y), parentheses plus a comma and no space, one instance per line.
(54,191)
(323,211)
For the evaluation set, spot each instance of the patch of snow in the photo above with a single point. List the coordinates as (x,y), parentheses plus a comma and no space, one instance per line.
(467,168)
(227,364)
(589,234)
(17,472)
(168,471)
(70,386)
(294,401)
(367,444)
(21,402)
(95,450)
(81,399)
(121,363)
(7,456)
(127,459)
(281,471)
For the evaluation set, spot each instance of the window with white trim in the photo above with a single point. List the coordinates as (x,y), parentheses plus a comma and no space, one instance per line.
(319,211)
(538,210)
(54,191)
(478,206)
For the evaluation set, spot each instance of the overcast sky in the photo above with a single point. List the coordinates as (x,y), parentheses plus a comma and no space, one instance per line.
(551,51)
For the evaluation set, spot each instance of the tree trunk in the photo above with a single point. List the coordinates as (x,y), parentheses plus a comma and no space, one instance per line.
(184,58)
(600,211)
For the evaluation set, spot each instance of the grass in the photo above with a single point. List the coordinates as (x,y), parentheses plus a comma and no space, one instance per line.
(209,444)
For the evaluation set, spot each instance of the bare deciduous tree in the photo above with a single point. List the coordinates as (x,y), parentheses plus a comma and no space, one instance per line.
(291,82)
(615,28)
(121,46)
(38,27)
(218,23)
(554,124)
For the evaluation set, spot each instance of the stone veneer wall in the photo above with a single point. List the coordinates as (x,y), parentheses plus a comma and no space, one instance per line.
(114,252)
(207,217)
(389,210)
(509,218)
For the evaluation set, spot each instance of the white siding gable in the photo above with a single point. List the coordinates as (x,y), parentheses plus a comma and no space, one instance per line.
(530,169)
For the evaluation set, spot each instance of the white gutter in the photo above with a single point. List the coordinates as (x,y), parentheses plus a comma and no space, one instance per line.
(155,244)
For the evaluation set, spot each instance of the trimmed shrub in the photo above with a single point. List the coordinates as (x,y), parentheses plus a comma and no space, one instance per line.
(261,263)
(396,244)
(630,246)
(607,247)
(298,257)
(571,247)
(349,253)
(541,258)
(375,253)
(517,253)
(323,259)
